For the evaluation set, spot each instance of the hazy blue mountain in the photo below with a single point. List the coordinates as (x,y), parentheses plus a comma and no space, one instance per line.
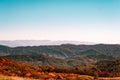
(16,43)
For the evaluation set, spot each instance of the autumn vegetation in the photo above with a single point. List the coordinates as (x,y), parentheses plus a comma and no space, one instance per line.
(11,68)
(103,69)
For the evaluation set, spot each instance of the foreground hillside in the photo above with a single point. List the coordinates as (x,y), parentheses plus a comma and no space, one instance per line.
(102,68)
(11,68)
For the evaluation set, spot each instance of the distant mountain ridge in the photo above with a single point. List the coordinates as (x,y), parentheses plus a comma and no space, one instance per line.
(64,50)
(16,43)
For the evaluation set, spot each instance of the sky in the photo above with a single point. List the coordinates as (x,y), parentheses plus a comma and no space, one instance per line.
(74,20)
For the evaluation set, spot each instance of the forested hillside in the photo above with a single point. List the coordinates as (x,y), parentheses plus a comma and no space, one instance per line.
(67,55)
(65,50)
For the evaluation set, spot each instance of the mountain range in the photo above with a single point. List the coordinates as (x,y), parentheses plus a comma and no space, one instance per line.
(66,55)
(16,43)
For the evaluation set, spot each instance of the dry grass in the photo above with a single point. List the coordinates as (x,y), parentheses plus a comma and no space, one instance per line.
(13,78)
(81,77)
(85,77)
(114,78)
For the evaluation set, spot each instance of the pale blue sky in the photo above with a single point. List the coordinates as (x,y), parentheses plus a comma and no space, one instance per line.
(79,20)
